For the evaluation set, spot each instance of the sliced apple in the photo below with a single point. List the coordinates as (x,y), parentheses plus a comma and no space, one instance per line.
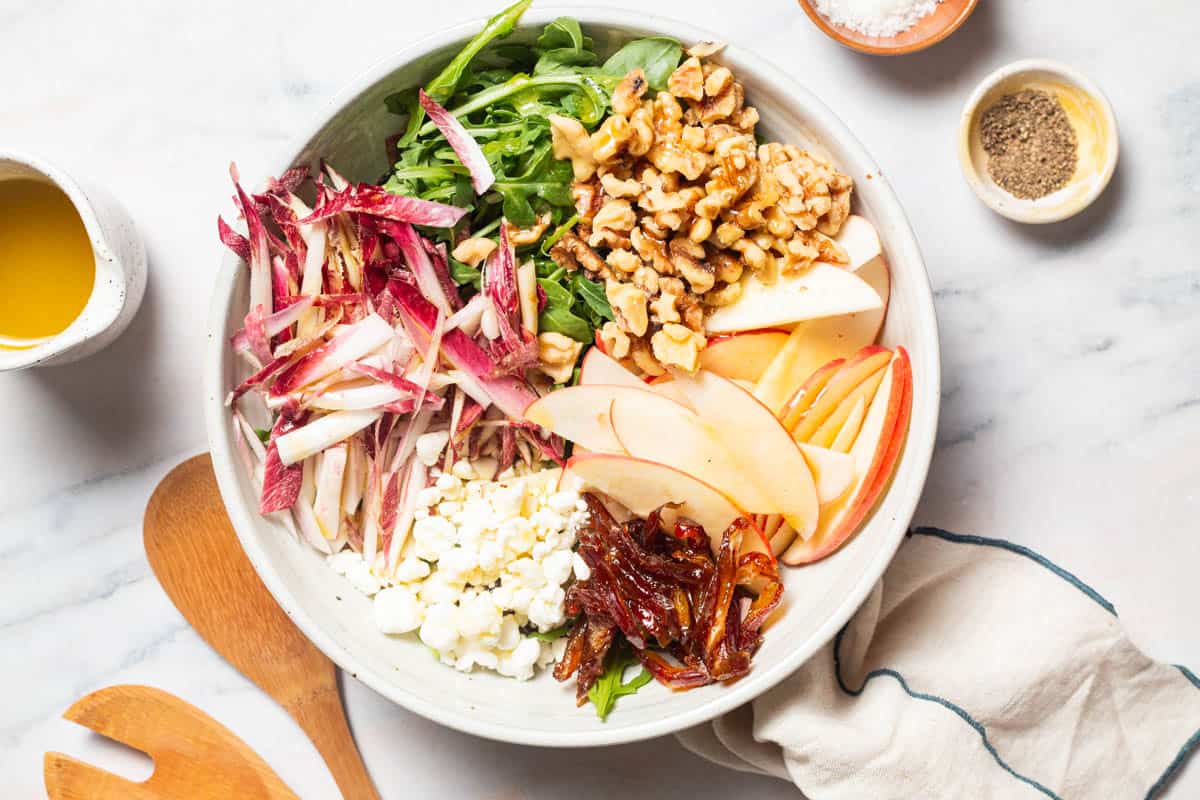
(823,290)
(832,472)
(582,414)
(806,413)
(762,449)
(782,538)
(742,356)
(665,385)
(655,428)
(860,240)
(849,431)
(643,486)
(875,451)
(600,368)
(826,434)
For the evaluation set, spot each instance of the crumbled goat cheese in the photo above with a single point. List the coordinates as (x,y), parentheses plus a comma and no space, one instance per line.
(484,559)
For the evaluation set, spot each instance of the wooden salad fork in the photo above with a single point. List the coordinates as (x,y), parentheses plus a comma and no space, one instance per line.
(194,756)
(196,556)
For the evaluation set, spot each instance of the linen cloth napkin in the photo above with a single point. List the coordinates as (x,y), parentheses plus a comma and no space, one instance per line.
(975,669)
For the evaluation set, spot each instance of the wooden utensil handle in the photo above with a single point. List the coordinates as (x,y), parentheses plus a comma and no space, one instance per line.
(323,719)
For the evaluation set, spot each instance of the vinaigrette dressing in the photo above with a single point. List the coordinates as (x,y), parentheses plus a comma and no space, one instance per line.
(47,267)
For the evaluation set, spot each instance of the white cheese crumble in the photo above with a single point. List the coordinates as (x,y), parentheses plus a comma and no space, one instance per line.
(484,559)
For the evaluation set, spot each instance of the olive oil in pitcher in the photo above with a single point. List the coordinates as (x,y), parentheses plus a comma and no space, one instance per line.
(47,268)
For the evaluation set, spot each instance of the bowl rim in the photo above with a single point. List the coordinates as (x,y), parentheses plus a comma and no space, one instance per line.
(1022,210)
(834,32)
(228,468)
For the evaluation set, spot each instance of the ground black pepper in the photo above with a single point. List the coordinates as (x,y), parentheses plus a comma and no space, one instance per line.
(1031,146)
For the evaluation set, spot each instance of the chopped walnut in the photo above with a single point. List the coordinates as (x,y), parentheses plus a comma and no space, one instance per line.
(530,235)
(687,80)
(677,346)
(678,203)
(629,306)
(615,187)
(557,355)
(624,261)
(627,97)
(705,49)
(570,140)
(724,295)
(615,341)
(473,251)
(686,257)
(615,215)
(570,252)
(607,142)
(664,309)
(643,358)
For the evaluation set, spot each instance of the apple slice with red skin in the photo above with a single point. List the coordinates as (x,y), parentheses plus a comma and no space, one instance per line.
(759,445)
(827,432)
(643,486)
(876,452)
(805,416)
(655,428)
(742,356)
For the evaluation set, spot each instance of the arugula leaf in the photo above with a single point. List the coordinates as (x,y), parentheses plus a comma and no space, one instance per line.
(553,634)
(609,686)
(263,435)
(564,32)
(593,295)
(558,316)
(465,275)
(658,56)
(443,87)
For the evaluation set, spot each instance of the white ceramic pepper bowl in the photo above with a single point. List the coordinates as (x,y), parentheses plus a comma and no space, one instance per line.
(819,598)
(120,269)
(1095,129)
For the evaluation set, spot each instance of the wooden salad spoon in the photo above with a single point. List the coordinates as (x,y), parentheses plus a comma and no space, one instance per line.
(197,558)
(194,755)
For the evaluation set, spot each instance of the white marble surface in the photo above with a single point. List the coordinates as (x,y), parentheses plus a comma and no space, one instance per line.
(1071,413)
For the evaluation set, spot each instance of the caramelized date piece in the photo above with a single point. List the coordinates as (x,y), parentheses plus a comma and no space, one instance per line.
(692,619)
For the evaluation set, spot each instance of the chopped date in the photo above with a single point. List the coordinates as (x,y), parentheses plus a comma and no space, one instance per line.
(691,618)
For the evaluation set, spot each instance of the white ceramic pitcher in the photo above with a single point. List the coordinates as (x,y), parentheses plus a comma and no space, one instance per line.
(120,269)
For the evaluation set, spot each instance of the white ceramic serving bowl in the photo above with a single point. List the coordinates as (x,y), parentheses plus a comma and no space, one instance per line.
(120,268)
(1095,129)
(819,598)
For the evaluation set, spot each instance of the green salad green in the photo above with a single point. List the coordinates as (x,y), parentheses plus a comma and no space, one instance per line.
(503,93)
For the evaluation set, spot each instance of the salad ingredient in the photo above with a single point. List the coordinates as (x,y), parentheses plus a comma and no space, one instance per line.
(832,469)
(743,356)
(1030,142)
(775,464)
(678,204)
(646,486)
(485,571)
(684,610)
(883,18)
(612,685)
(875,451)
(466,148)
(823,290)
(47,267)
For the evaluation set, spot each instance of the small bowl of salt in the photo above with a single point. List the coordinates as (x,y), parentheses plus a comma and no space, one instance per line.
(888,27)
(1038,141)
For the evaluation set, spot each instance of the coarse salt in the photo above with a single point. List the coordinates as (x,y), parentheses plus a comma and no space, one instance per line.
(883,18)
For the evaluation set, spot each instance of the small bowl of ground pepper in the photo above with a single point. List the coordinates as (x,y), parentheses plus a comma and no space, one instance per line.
(1038,141)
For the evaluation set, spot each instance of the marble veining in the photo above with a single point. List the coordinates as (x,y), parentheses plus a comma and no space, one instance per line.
(1071,403)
